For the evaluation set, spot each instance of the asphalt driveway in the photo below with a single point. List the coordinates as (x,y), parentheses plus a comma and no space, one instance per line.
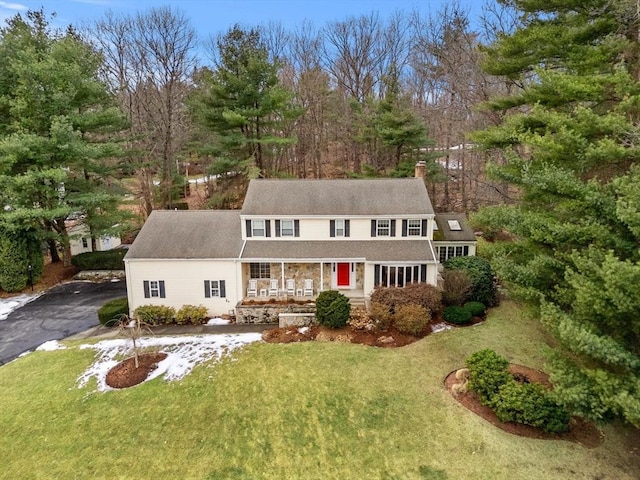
(62,311)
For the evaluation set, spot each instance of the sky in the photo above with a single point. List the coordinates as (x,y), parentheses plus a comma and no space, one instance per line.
(211,17)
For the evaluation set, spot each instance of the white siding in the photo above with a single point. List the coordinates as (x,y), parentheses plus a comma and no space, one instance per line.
(184,283)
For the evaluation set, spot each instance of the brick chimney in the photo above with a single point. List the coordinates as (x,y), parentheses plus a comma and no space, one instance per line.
(420,169)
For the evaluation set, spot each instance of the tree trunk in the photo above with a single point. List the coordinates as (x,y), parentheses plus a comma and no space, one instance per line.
(53,250)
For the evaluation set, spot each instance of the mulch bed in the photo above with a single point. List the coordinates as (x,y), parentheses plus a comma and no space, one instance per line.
(388,339)
(125,374)
(580,431)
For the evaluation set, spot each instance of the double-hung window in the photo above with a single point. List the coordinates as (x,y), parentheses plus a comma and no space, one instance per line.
(339,227)
(258,228)
(414,227)
(383,228)
(214,288)
(153,288)
(286,228)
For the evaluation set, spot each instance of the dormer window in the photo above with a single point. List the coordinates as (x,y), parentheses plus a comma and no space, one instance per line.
(258,228)
(286,228)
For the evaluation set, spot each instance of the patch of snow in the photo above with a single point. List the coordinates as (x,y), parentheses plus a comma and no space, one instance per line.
(8,305)
(440,327)
(51,345)
(303,330)
(183,354)
(218,321)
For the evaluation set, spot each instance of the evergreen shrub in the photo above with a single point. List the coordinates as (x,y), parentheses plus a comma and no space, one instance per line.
(530,404)
(476,309)
(107,260)
(155,314)
(457,315)
(488,371)
(483,286)
(111,312)
(332,309)
(412,319)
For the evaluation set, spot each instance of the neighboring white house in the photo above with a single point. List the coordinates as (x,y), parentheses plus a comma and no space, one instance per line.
(80,240)
(292,238)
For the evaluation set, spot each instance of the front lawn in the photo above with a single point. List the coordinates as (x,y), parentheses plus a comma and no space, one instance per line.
(286,411)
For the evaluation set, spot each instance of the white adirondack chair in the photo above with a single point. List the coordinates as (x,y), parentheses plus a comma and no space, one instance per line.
(308,288)
(273,287)
(252,289)
(291,287)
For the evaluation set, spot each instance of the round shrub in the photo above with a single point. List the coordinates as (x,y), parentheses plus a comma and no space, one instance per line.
(388,296)
(422,294)
(191,314)
(476,309)
(111,312)
(483,286)
(380,315)
(457,315)
(412,319)
(488,371)
(457,286)
(530,404)
(332,309)
(155,314)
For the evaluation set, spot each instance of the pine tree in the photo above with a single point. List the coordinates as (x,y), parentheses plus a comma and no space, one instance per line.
(56,119)
(570,136)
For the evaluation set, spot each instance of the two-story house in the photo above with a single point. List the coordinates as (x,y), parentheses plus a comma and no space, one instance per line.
(292,238)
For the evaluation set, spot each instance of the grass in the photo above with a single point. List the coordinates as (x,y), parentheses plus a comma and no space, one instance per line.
(307,410)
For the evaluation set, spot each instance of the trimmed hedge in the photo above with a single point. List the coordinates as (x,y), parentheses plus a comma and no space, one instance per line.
(155,314)
(332,309)
(111,312)
(107,260)
(457,315)
(525,403)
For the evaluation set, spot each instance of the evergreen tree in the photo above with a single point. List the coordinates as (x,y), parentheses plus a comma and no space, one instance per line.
(55,121)
(570,137)
(243,104)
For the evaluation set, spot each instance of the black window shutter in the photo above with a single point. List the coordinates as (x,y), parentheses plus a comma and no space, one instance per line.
(277,228)
(424,227)
(162,292)
(376,275)
(207,289)
(346,228)
(223,289)
(373,228)
(423,273)
(145,284)
(405,227)
(332,228)
(466,250)
(248,223)
(296,228)
(267,228)
(393,228)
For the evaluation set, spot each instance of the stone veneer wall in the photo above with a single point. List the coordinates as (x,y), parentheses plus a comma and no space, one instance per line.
(268,312)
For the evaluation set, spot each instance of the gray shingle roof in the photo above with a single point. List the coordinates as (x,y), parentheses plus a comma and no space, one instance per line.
(371,250)
(444,233)
(189,234)
(401,196)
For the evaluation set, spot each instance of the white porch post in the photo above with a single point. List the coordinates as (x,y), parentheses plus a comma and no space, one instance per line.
(321,276)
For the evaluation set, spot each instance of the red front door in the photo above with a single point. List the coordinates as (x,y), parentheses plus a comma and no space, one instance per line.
(343,274)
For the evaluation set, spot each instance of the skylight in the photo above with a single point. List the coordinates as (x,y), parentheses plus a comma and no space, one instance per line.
(454,225)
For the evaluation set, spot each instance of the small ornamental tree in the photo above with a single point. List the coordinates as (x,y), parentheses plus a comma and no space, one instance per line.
(332,309)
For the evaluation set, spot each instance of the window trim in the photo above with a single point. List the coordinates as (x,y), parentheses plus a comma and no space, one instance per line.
(290,232)
(380,229)
(254,229)
(414,230)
